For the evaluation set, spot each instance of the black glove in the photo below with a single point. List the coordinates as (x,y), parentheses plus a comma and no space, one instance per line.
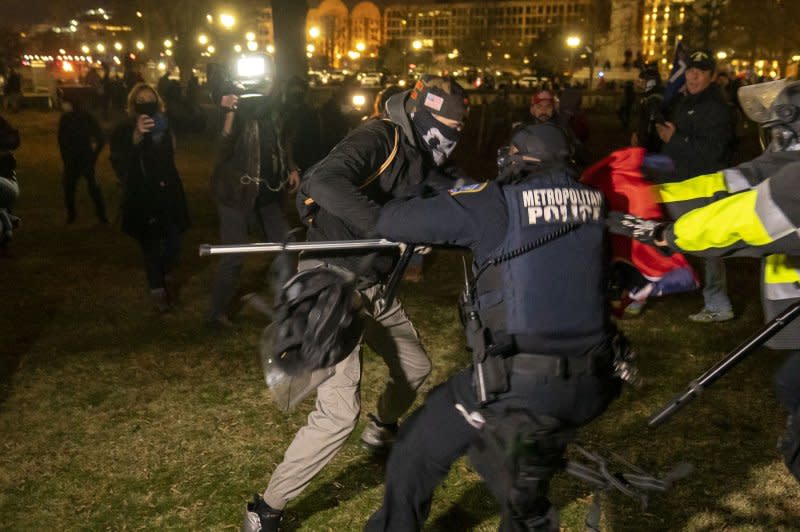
(646,231)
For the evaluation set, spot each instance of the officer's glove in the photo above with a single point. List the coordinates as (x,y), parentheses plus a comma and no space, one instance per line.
(647,231)
(418,250)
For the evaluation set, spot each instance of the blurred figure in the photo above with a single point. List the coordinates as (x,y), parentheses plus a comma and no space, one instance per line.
(626,107)
(298,130)
(154,210)
(13,90)
(247,187)
(333,120)
(651,110)
(9,190)
(80,139)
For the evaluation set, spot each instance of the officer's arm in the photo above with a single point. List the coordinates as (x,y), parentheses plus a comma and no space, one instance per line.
(464,220)
(756,222)
(336,183)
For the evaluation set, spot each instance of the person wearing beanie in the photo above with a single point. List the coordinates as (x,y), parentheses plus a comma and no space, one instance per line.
(339,199)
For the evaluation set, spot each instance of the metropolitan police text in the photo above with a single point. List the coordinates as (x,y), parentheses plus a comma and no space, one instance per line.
(553,205)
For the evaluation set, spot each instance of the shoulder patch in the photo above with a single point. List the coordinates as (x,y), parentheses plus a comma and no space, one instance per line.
(468,189)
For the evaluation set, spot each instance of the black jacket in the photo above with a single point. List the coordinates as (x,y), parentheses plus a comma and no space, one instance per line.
(704,133)
(340,197)
(153,196)
(80,137)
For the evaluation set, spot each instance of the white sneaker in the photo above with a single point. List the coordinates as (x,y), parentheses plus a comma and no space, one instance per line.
(378,437)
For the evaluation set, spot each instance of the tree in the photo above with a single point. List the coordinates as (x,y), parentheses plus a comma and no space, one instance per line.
(761,30)
(289,20)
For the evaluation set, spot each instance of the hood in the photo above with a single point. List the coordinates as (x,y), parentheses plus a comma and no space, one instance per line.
(396,112)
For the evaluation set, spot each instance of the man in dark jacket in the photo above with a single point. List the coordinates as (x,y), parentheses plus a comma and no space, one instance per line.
(340,198)
(81,140)
(698,138)
(651,110)
(517,408)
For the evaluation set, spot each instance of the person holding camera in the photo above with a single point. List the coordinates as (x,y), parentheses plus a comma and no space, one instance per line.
(247,186)
(154,209)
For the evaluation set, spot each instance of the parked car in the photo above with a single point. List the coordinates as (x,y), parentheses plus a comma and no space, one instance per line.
(371,79)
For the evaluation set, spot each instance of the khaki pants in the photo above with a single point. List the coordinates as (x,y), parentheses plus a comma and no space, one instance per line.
(393,337)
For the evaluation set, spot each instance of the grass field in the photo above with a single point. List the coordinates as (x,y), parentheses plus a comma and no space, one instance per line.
(115,418)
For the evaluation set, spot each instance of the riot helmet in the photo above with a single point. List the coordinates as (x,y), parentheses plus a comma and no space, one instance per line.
(532,145)
(317,321)
(775,105)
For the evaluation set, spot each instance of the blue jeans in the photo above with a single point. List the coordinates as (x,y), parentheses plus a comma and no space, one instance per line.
(715,289)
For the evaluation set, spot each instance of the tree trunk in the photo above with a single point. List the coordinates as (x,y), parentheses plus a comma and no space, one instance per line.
(289,20)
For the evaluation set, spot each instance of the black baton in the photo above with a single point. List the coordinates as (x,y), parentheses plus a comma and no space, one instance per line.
(727,363)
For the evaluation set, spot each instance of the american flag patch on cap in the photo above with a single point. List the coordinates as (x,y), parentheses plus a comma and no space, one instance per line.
(434,102)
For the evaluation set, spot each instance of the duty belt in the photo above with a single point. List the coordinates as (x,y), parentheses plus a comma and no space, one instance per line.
(559,366)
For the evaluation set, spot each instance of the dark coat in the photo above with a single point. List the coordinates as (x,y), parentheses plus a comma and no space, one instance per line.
(703,136)
(153,196)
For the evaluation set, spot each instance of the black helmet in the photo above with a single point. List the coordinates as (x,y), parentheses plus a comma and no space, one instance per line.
(318,322)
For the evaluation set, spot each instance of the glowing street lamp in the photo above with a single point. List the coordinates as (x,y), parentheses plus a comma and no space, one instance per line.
(252,46)
(211,49)
(314,32)
(118,46)
(237,48)
(310,48)
(167,43)
(227,20)
(416,45)
(202,39)
(722,55)
(360,46)
(139,45)
(250,36)
(85,49)
(100,47)
(270,49)
(573,41)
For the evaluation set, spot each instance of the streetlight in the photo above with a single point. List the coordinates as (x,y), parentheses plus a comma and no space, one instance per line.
(139,45)
(118,46)
(252,46)
(573,41)
(85,49)
(211,49)
(314,32)
(360,46)
(722,55)
(310,48)
(227,20)
(237,48)
(100,47)
(270,49)
(250,36)
(416,45)
(167,43)
(202,39)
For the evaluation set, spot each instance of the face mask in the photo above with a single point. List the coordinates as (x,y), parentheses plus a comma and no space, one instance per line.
(439,139)
(146,108)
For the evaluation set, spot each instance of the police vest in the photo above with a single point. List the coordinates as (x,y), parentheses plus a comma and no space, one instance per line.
(549,300)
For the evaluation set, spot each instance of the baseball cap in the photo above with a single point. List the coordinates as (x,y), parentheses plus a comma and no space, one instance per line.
(542,96)
(701,59)
(430,93)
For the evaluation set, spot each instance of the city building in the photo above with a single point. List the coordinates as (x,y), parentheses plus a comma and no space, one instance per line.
(509,23)
(336,34)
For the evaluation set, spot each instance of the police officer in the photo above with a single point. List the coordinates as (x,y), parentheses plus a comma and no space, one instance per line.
(750,210)
(339,199)
(537,326)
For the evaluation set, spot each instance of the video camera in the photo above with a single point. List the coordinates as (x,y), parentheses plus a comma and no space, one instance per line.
(251,80)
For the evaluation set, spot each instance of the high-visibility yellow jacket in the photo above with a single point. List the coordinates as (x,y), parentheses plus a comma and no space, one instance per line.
(751,210)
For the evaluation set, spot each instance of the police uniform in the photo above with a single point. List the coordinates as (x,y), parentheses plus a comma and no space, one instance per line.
(543,318)
(757,214)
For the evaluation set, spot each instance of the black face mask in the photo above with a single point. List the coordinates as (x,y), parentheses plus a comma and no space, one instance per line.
(146,108)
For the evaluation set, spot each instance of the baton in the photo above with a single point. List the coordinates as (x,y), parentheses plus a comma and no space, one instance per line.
(727,363)
(277,247)
(386,298)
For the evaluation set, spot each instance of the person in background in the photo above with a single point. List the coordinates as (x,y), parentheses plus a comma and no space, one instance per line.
(154,209)
(697,137)
(80,139)
(13,90)
(651,110)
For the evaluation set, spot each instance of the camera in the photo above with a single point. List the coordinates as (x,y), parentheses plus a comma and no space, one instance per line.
(251,80)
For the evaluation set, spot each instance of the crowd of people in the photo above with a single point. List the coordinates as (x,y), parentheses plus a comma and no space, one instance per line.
(544,352)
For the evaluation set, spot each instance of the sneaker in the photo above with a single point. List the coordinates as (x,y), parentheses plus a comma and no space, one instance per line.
(710,316)
(378,437)
(261,517)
